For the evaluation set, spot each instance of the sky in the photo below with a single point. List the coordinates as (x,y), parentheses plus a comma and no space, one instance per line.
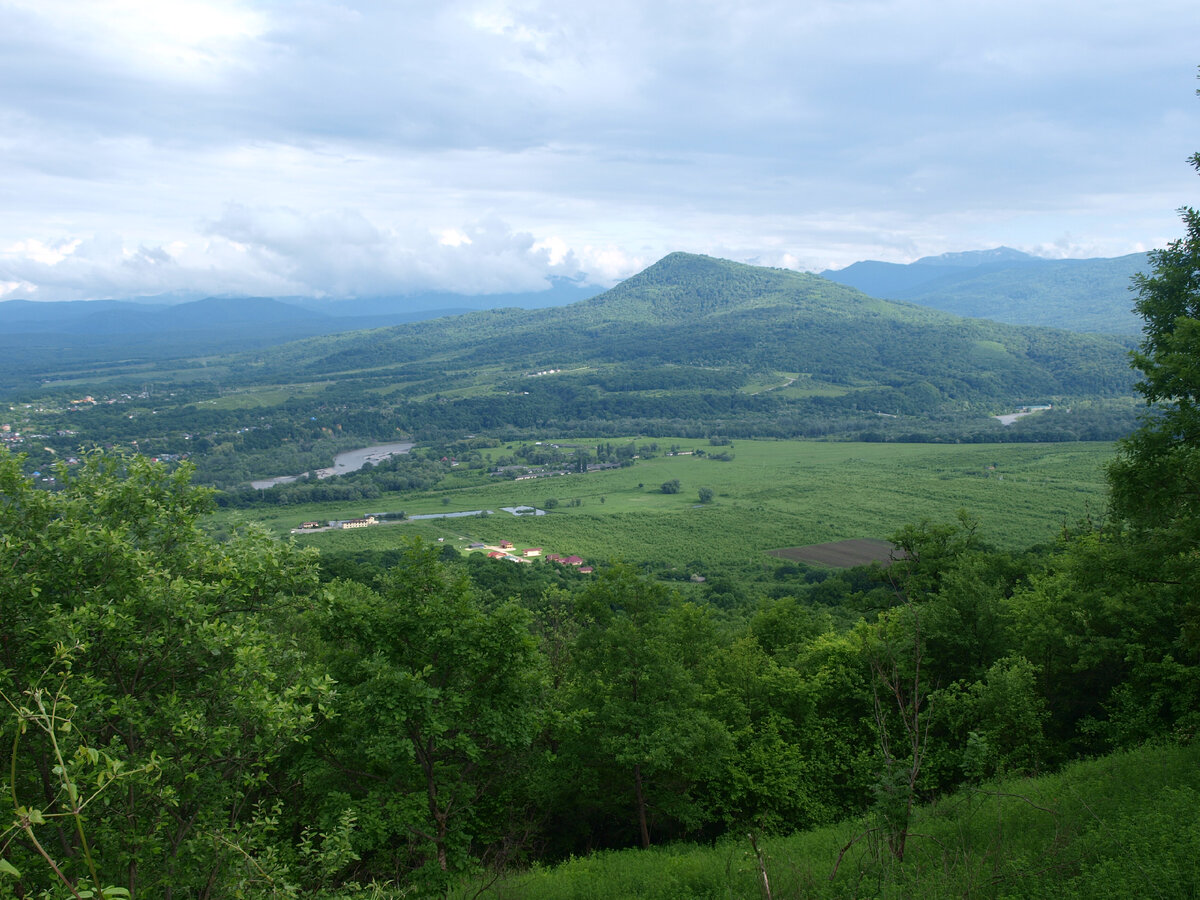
(350,149)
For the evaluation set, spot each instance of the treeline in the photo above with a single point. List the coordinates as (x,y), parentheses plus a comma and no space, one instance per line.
(231,447)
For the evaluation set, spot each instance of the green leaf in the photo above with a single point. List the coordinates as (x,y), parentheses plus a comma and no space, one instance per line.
(7,868)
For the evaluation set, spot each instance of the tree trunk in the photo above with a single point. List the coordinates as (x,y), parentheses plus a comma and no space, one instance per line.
(641,805)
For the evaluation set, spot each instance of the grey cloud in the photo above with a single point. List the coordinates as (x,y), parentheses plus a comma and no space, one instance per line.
(326,150)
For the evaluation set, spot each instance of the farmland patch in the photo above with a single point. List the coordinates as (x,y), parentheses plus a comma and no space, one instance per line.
(840,554)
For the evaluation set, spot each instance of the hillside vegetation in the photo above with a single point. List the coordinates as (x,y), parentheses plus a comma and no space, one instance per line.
(1121,826)
(1009,286)
(695,311)
(225,716)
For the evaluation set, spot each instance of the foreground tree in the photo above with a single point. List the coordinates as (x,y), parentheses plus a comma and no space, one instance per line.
(440,695)
(1155,480)
(644,739)
(180,663)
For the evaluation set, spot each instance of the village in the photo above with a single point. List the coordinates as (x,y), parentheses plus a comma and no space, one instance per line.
(504,549)
(507,551)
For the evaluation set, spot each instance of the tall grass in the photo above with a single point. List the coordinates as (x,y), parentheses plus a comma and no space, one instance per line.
(1126,825)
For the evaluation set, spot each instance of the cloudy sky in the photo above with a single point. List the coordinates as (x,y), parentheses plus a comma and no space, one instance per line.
(322,148)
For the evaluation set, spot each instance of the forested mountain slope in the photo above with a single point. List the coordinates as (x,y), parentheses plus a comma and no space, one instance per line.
(696,311)
(1009,286)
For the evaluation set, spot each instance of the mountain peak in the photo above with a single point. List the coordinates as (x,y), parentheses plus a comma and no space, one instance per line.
(970,258)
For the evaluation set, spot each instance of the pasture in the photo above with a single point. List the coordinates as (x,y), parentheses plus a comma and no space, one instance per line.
(772,495)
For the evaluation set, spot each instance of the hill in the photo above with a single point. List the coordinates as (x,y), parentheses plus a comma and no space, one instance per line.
(1100,828)
(1007,285)
(713,316)
(40,339)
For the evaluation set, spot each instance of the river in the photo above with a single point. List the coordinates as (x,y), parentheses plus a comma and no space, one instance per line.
(343,463)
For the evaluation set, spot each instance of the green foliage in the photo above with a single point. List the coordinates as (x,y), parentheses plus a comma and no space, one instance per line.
(440,695)
(1115,626)
(1156,466)
(229,726)
(43,722)
(644,737)
(184,660)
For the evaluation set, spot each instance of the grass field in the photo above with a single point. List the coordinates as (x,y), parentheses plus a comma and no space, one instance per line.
(259,397)
(772,495)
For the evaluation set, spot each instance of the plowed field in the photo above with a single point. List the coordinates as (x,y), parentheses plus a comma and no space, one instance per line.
(842,554)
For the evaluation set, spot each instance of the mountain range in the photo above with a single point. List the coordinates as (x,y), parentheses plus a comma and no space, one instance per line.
(1008,285)
(690,346)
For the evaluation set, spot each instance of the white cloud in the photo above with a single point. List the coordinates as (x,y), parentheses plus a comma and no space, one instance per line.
(184,39)
(42,253)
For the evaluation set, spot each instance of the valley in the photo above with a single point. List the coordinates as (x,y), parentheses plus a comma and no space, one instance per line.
(626,572)
(805,411)
(599,451)
(769,495)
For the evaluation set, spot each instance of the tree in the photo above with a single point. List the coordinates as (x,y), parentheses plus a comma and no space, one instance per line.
(1155,479)
(439,692)
(1115,624)
(645,742)
(183,658)
(706,495)
(671,487)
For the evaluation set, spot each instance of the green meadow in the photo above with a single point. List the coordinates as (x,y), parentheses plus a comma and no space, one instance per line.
(771,494)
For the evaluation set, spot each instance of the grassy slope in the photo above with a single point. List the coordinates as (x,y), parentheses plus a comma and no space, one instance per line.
(1126,825)
(772,494)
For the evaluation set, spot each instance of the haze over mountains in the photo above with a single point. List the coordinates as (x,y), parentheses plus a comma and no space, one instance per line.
(36,336)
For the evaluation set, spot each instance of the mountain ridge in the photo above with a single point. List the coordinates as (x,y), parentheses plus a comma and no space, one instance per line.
(701,312)
(1006,285)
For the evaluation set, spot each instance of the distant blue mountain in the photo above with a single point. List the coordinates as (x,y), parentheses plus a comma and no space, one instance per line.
(36,336)
(1006,285)
(973,258)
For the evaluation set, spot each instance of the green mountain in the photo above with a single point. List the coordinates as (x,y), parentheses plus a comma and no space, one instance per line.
(714,315)
(1007,285)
